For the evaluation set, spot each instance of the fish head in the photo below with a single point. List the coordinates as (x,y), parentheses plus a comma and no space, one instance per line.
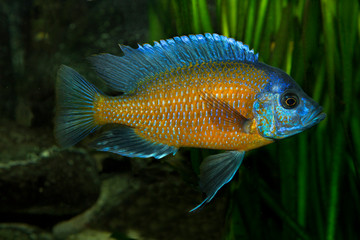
(282,108)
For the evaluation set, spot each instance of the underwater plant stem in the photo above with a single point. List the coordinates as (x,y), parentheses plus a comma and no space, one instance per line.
(302,179)
(317,204)
(289,56)
(224,20)
(328,10)
(233,16)
(356,139)
(155,28)
(347,27)
(334,188)
(260,22)
(280,211)
(204,17)
(250,22)
(195,15)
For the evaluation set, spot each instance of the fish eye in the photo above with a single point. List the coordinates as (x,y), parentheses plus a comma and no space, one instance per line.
(289,100)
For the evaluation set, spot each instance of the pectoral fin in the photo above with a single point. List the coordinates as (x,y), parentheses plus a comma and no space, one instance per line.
(217,170)
(223,115)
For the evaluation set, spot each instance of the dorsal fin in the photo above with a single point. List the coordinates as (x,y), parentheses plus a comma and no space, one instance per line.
(124,73)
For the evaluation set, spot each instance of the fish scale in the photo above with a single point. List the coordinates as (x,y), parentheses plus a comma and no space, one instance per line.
(177,92)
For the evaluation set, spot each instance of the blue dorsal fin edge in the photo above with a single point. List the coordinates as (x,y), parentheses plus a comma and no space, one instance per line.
(125,73)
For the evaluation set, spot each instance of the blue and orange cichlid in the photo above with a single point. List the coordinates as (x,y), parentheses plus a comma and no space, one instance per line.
(204,91)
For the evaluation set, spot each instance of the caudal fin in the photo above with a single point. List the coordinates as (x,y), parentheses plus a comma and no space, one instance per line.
(75,107)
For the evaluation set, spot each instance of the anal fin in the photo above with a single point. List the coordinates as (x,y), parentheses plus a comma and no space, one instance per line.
(216,171)
(124,141)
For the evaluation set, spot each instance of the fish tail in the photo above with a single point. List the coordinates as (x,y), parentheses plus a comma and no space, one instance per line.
(75,107)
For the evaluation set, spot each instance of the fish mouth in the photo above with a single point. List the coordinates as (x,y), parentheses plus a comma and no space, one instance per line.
(314,118)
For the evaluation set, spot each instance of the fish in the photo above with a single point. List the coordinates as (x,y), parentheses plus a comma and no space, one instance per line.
(202,91)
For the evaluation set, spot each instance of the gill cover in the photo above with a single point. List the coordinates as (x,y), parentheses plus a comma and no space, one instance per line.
(264,110)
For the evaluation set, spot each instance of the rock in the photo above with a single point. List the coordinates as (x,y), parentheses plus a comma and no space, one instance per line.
(16,231)
(115,192)
(35,179)
(151,201)
(91,235)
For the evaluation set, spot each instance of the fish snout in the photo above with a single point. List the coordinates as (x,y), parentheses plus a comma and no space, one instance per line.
(313,118)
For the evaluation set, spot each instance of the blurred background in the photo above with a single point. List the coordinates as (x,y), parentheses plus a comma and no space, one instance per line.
(303,187)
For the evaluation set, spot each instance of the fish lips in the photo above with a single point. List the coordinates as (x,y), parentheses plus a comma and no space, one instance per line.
(314,118)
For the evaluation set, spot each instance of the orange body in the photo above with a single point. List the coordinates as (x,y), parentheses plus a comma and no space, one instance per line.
(169,108)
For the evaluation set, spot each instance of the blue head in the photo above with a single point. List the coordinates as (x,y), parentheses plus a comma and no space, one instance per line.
(282,108)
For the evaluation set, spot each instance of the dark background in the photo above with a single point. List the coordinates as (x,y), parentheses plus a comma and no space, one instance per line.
(304,187)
